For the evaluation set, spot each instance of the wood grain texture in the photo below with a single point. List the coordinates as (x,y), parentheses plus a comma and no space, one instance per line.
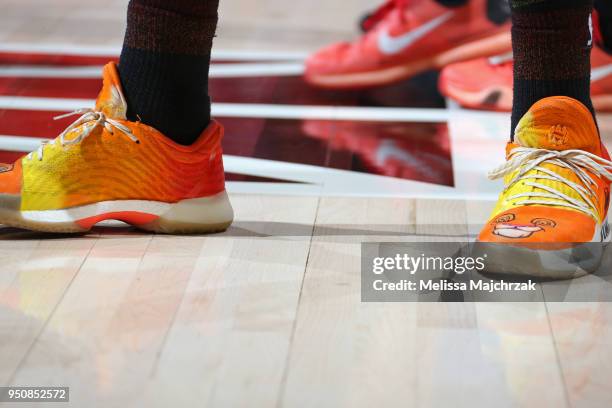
(209,315)
(267,25)
(347,353)
(269,313)
(32,288)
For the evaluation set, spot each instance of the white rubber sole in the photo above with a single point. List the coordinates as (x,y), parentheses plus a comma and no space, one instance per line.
(191,216)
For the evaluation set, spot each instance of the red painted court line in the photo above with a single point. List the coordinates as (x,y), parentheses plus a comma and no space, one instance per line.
(32,123)
(267,90)
(9,157)
(420,92)
(79,88)
(412,151)
(273,90)
(284,90)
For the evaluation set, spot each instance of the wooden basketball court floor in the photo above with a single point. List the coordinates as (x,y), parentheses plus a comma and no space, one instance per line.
(268,314)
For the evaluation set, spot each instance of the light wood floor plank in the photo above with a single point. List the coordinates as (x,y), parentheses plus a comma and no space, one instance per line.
(31,291)
(265,25)
(583,334)
(344,352)
(210,315)
(239,309)
(348,353)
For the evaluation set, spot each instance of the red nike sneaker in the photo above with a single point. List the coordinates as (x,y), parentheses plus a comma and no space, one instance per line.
(406,38)
(369,21)
(486,83)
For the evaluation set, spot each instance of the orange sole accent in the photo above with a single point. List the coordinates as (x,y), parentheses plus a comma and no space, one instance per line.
(130,217)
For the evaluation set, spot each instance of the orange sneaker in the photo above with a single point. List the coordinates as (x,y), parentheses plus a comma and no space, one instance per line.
(105,167)
(552,215)
(486,83)
(406,38)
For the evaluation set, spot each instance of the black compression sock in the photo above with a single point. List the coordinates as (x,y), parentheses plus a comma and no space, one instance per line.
(552,48)
(452,3)
(164,65)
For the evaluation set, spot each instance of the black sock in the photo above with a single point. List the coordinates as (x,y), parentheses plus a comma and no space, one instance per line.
(452,3)
(604,9)
(498,11)
(550,40)
(164,65)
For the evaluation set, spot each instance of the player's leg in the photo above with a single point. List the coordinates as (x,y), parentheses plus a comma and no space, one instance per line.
(452,3)
(147,153)
(552,43)
(557,175)
(164,64)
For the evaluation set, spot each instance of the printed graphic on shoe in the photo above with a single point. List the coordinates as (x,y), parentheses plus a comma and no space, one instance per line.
(486,83)
(405,38)
(556,195)
(106,167)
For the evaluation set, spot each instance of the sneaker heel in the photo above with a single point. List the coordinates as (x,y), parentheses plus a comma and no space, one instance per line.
(195,216)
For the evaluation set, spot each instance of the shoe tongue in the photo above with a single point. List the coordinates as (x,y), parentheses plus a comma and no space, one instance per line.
(559,123)
(111,100)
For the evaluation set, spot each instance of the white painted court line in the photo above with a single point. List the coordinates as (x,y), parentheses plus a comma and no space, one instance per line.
(237,55)
(61,49)
(29,71)
(43,104)
(216,71)
(271,111)
(252,110)
(19,143)
(115,50)
(328,112)
(261,69)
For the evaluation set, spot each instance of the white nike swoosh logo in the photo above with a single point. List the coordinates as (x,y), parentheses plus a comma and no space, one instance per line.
(600,73)
(392,45)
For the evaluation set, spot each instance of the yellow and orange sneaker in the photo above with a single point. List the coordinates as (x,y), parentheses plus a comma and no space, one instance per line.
(552,216)
(106,167)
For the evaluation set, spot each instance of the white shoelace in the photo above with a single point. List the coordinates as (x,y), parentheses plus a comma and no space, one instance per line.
(91,119)
(579,161)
